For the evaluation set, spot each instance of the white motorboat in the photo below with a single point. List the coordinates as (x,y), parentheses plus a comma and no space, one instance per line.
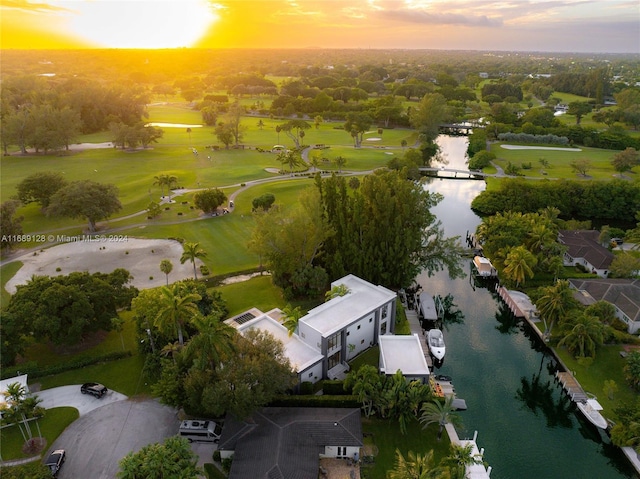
(435,341)
(591,409)
(427,307)
(484,267)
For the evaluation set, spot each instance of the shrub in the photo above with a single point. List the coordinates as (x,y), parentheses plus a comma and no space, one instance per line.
(306,388)
(316,401)
(204,270)
(34,371)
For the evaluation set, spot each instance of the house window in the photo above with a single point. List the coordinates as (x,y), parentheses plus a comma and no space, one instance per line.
(362,341)
(311,374)
(370,319)
(358,326)
(334,341)
(342,452)
(385,311)
(348,333)
(333,360)
(383,328)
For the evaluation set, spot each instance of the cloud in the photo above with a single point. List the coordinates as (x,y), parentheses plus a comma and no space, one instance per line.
(32,7)
(428,18)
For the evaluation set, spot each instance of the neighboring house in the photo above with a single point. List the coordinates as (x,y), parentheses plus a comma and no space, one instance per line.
(584,248)
(623,294)
(287,443)
(333,333)
(403,353)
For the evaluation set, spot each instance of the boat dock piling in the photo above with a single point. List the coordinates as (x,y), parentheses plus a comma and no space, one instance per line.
(513,306)
(416,328)
(572,386)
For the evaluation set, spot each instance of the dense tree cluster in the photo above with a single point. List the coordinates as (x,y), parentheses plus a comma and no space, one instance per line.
(612,200)
(49,113)
(62,309)
(172,458)
(383,231)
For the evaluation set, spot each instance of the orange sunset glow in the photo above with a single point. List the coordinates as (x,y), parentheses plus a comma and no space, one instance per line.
(542,25)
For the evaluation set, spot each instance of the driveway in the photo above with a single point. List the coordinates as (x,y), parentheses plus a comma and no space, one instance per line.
(97,441)
(71,396)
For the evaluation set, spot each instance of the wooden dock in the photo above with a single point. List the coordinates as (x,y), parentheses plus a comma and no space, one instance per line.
(416,328)
(572,386)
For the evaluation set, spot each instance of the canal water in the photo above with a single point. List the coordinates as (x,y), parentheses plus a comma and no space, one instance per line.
(528,427)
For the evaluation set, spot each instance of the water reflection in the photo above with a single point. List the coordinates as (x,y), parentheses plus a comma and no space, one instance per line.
(537,394)
(526,424)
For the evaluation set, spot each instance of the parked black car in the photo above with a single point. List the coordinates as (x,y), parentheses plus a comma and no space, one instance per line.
(55,460)
(95,389)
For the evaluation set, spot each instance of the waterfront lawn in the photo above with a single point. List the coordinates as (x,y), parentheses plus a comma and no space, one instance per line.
(386,437)
(607,365)
(52,424)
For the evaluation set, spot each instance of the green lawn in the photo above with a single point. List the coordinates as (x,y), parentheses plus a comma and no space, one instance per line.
(386,437)
(608,365)
(122,375)
(258,292)
(6,273)
(52,424)
(559,162)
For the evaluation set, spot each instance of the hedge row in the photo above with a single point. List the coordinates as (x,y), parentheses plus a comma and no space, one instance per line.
(34,371)
(316,401)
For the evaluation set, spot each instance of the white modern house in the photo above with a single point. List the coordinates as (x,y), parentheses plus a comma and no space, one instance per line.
(405,354)
(333,333)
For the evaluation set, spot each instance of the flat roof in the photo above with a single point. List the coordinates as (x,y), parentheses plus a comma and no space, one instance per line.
(300,354)
(404,353)
(363,297)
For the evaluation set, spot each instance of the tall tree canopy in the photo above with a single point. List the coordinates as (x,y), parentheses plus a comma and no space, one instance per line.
(384,231)
(63,308)
(172,458)
(85,199)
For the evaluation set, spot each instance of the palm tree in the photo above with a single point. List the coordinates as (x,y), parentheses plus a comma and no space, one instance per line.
(336,291)
(459,459)
(191,253)
(340,161)
(438,412)
(213,341)
(175,310)
(555,303)
(582,335)
(171,350)
(519,263)
(415,466)
(291,318)
(539,236)
(166,267)
(365,383)
(315,162)
(290,159)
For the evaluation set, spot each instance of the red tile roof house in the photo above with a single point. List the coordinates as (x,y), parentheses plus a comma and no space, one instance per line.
(584,248)
(623,294)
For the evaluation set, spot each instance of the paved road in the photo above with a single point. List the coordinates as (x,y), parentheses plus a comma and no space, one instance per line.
(97,441)
(71,396)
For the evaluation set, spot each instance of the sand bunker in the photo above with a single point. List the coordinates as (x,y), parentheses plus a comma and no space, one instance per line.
(141,257)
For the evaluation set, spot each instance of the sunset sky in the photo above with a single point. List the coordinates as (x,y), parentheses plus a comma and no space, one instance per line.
(527,25)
